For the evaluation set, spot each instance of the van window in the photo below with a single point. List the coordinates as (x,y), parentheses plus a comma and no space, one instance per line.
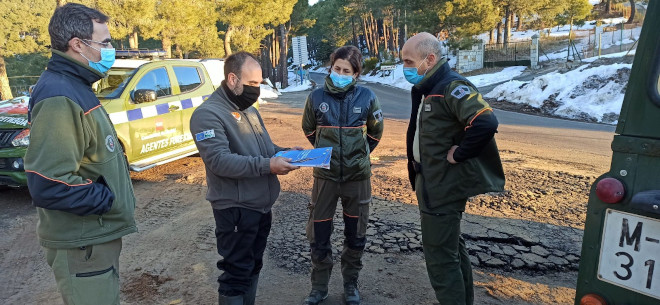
(188,78)
(156,80)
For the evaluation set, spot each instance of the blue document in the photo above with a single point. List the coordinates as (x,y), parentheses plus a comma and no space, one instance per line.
(318,157)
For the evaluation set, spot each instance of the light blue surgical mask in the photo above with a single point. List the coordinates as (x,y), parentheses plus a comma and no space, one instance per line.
(411,73)
(107,58)
(340,80)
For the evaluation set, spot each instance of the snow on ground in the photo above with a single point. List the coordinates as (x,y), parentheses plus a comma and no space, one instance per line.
(587,93)
(396,79)
(613,55)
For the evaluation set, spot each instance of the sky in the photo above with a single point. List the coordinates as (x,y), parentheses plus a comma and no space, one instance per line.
(312,2)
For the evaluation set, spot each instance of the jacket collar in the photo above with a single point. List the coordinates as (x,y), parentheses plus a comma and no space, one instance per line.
(434,75)
(65,65)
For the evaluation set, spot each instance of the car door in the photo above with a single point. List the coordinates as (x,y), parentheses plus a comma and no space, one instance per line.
(194,88)
(154,124)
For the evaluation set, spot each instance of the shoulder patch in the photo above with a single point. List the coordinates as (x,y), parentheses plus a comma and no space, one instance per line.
(378,115)
(460,91)
(206,134)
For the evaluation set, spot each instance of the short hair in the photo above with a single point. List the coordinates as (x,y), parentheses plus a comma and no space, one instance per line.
(350,54)
(430,45)
(72,20)
(234,63)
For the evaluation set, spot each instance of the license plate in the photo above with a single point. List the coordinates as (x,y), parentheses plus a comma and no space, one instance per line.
(629,251)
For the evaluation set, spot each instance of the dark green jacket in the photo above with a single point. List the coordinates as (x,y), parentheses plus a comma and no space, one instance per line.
(452,112)
(76,170)
(351,122)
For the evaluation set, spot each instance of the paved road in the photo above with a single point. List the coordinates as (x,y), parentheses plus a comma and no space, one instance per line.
(396,104)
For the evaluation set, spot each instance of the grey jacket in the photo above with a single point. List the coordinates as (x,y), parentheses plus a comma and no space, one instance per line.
(236,151)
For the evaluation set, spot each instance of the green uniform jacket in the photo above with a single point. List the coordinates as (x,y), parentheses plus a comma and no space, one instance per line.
(351,122)
(76,170)
(446,107)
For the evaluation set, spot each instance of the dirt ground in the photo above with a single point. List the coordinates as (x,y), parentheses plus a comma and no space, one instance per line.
(172,259)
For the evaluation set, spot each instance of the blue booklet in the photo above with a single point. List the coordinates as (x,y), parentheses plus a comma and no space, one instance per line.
(318,157)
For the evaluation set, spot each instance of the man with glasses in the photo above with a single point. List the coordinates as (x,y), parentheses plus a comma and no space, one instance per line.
(77,173)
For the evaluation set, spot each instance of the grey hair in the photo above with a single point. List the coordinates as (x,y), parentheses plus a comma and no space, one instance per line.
(72,20)
(430,45)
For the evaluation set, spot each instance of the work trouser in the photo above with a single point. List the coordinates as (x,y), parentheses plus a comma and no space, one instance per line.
(241,236)
(447,260)
(87,275)
(355,198)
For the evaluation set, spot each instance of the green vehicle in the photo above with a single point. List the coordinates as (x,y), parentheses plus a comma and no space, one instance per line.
(621,245)
(149,102)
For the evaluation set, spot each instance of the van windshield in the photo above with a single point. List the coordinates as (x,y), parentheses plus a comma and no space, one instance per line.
(113,84)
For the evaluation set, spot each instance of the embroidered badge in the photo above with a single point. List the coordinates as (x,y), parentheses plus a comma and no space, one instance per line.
(378,115)
(110,143)
(427,107)
(357,109)
(206,134)
(324,107)
(236,116)
(460,91)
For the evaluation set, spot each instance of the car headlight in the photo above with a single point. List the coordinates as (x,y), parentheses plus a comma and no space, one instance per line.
(22,139)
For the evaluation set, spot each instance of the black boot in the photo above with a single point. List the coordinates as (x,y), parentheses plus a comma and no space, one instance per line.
(315,297)
(351,293)
(233,300)
(251,293)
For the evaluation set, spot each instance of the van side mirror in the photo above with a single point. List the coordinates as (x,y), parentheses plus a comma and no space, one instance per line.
(143,96)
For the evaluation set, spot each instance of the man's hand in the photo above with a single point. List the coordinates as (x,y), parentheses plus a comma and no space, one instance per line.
(450,155)
(296,148)
(281,166)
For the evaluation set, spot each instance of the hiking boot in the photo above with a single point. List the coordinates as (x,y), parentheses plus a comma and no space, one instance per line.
(351,293)
(315,297)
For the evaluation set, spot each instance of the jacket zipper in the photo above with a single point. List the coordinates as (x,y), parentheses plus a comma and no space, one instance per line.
(262,149)
(341,146)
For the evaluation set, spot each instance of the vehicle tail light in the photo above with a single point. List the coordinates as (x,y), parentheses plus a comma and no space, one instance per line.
(610,190)
(592,299)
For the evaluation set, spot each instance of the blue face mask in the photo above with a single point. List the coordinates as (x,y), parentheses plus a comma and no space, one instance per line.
(339,80)
(411,74)
(106,62)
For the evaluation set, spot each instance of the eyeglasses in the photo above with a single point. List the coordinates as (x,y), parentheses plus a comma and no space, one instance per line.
(107,45)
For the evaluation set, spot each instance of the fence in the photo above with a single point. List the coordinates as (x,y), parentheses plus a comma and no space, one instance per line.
(510,54)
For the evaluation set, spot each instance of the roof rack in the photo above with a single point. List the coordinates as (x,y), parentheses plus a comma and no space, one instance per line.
(140,53)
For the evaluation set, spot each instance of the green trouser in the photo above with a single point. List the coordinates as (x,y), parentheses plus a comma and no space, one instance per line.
(447,261)
(87,275)
(355,198)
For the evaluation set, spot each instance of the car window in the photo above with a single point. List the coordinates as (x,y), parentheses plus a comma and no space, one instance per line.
(188,78)
(114,83)
(156,80)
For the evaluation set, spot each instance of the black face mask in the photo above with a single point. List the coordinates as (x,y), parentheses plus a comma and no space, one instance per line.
(246,99)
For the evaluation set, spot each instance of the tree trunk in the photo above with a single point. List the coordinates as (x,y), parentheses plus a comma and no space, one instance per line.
(570,32)
(167,46)
(366,35)
(520,22)
(632,12)
(492,36)
(265,58)
(499,32)
(5,90)
(507,25)
(374,34)
(179,52)
(608,7)
(355,41)
(60,2)
(133,40)
(284,73)
(230,31)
